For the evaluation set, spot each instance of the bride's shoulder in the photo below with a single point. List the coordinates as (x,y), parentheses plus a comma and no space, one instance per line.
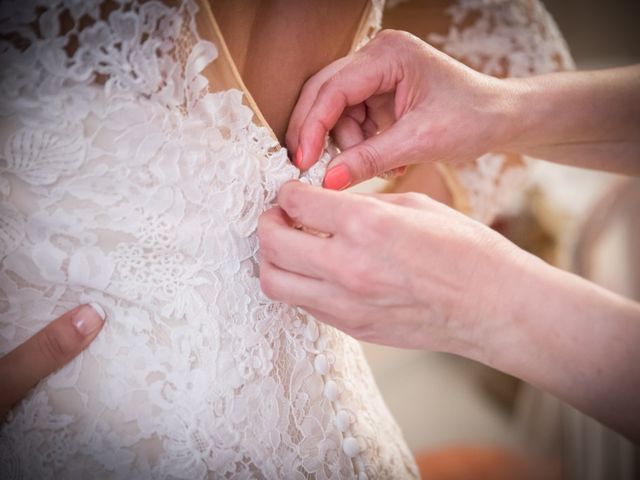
(501,37)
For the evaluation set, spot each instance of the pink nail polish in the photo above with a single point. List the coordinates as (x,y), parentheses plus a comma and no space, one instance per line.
(298,160)
(88,318)
(337,178)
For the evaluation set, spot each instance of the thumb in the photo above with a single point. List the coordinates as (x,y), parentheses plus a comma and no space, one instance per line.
(46,351)
(397,146)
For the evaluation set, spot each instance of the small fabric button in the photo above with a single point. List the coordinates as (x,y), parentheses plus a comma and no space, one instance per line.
(312,332)
(342,420)
(321,365)
(331,390)
(350,446)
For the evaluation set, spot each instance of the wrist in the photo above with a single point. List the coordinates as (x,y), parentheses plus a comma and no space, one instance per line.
(573,339)
(494,293)
(522,110)
(503,325)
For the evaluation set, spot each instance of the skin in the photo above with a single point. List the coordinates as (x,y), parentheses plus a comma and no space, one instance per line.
(407,271)
(260,34)
(399,101)
(45,352)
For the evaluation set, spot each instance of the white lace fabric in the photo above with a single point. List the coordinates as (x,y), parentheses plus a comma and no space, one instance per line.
(124,181)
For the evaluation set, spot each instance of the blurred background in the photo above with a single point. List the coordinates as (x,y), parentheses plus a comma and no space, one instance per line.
(467,421)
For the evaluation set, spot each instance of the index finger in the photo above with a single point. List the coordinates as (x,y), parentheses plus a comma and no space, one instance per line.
(364,76)
(306,98)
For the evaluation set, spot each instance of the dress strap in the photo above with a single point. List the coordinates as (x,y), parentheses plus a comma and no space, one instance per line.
(222,73)
(369,23)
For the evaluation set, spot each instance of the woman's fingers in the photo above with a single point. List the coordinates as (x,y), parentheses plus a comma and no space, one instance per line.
(399,145)
(355,83)
(293,289)
(289,248)
(363,101)
(347,132)
(360,76)
(307,97)
(46,351)
(319,211)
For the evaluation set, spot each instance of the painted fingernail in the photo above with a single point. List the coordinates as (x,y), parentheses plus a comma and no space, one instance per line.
(298,160)
(337,178)
(88,318)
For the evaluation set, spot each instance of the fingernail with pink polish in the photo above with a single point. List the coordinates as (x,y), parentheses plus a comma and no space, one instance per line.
(88,318)
(337,178)
(298,160)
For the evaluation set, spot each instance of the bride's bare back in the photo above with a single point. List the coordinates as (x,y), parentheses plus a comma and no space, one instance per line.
(277,44)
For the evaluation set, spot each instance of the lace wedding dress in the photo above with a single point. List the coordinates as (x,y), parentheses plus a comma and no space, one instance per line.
(131,181)
(134,166)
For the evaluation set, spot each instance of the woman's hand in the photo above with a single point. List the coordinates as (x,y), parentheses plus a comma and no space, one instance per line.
(404,270)
(395,102)
(46,351)
(401,270)
(399,101)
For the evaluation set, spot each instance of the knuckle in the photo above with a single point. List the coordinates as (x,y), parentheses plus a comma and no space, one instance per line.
(325,259)
(354,282)
(428,136)
(358,277)
(355,219)
(54,347)
(368,224)
(413,199)
(369,161)
(268,250)
(359,328)
(394,38)
(386,33)
(267,284)
(362,324)
(265,236)
(389,35)
(310,88)
(290,199)
(326,89)
(331,95)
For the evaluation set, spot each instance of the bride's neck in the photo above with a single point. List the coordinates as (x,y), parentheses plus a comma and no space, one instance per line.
(278,44)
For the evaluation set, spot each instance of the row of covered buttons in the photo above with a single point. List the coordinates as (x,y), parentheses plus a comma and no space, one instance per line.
(350,445)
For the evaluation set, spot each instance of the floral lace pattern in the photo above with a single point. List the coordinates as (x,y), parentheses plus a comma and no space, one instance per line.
(125,182)
(503,38)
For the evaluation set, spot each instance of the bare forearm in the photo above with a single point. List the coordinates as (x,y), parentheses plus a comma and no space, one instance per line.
(586,119)
(575,340)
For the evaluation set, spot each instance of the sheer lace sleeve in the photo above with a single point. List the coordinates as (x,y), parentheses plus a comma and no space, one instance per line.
(504,38)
